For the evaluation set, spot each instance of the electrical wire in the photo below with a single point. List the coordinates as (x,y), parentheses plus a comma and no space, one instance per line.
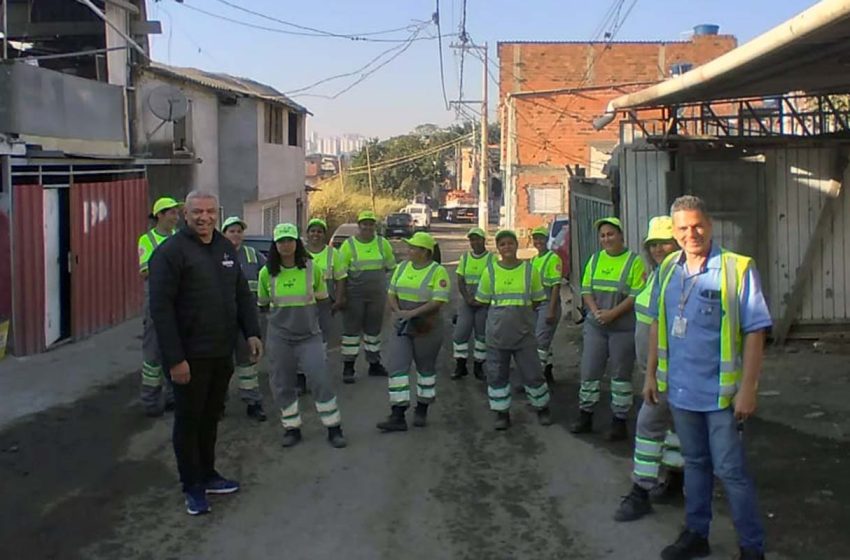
(440,47)
(416,155)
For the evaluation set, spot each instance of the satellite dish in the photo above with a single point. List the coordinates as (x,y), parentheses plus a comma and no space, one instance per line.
(168,103)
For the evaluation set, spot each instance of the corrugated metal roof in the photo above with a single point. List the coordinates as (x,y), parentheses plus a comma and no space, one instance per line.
(227,83)
(658,42)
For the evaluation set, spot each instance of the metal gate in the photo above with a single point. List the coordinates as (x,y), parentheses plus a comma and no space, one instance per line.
(28,270)
(590,199)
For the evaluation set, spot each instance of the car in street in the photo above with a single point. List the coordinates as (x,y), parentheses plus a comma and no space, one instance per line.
(342,233)
(421,214)
(400,224)
(260,243)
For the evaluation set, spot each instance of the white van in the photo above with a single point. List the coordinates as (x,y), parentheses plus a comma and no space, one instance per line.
(421,215)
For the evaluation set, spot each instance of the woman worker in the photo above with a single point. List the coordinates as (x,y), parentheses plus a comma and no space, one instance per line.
(548,264)
(471,317)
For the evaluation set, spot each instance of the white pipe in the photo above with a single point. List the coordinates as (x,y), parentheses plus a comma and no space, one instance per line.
(794,30)
(101,15)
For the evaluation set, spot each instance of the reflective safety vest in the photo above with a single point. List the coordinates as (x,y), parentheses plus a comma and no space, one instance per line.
(733,268)
(417,288)
(644,299)
(326,262)
(550,270)
(620,286)
(148,242)
(251,271)
(512,287)
(470,266)
(297,287)
(360,265)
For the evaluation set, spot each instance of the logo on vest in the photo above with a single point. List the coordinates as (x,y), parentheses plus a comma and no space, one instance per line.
(227,261)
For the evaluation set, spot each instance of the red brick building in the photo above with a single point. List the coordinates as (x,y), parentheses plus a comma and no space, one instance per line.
(549,95)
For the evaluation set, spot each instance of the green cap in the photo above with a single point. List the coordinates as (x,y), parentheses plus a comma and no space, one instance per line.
(285,231)
(233,220)
(506,233)
(164,203)
(540,230)
(610,220)
(476,231)
(366,215)
(422,240)
(317,222)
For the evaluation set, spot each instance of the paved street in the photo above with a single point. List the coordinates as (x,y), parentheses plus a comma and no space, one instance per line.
(97,480)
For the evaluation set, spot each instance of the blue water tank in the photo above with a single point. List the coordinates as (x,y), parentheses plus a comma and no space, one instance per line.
(706,29)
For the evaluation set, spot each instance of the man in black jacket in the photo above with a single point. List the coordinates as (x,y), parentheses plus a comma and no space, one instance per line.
(198,299)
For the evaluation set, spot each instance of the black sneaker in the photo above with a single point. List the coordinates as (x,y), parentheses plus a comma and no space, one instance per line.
(750,554)
(196,500)
(618,431)
(689,545)
(635,505)
(291,437)
(460,369)
(584,424)
(255,411)
(376,369)
(335,437)
(478,370)
(348,375)
(503,421)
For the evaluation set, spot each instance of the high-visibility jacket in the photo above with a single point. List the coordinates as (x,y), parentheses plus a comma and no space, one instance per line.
(420,285)
(471,267)
(550,267)
(733,268)
(329,263)
(251,263)
(291,287)
(361,257)
(612,279)
(148,242)
(644,299)
(510,287)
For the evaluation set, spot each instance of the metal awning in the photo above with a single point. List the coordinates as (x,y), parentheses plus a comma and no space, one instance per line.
(810,52)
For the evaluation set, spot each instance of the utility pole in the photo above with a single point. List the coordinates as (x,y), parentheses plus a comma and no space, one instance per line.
(484,173)
(5,29)
(369,171)
(341,172)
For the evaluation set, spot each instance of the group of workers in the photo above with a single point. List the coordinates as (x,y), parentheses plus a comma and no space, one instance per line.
(661,308)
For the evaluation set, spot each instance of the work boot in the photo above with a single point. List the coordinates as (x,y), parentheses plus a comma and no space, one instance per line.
(348,372)
(478,370)
(544,417)
(335,437)
(689,545)
(503,420)
(376,369)
(547,373)
(420,415)
(302,384)
(256,412)
(395,422)
(291,437)
(618,431)
(584,424)
(460,369)
(750,554)
(635,505)
(669,491)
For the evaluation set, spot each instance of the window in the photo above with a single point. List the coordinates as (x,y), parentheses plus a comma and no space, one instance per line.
(273,124)
(271,217)
(545,200)
(293,129)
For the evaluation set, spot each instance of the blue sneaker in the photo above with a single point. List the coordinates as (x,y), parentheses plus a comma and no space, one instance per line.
(220,485)
(196,501)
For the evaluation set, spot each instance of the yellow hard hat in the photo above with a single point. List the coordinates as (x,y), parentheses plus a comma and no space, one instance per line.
(540,230)
(476,231)
(285,231)
(366,215)
(317,222)
(164,203)
(660,229)
(610,220)
(422,240)
(232,220)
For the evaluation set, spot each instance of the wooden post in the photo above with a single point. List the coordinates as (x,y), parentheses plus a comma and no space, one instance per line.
(804,271)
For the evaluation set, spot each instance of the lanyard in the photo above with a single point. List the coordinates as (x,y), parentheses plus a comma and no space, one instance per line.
(686,293)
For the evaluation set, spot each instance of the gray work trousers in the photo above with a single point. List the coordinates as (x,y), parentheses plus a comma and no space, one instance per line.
(544,332)
(326,317)
(498,369)
(153,376)
(246,372)
(286,359)
(656,443)
(363,315)
(470,320)
(421,351)
(615,350)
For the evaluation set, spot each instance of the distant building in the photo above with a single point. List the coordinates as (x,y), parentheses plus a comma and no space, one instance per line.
(334,145)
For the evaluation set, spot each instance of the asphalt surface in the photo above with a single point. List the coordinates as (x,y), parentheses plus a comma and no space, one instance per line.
(97,480)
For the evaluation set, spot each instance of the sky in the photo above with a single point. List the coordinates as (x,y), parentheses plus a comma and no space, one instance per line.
(407,90)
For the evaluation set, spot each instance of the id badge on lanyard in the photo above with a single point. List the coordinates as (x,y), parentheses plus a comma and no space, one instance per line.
(680,323)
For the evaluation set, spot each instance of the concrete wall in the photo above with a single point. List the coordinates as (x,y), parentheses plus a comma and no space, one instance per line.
(556,129)
(238,165)
(281,167)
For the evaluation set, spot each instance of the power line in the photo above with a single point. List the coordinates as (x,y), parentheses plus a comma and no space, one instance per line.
(440,43)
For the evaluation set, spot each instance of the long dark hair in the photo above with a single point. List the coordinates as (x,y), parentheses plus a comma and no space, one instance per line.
(273,261)
(436,254)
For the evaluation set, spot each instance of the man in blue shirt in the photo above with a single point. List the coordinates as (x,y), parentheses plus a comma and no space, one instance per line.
(706,347)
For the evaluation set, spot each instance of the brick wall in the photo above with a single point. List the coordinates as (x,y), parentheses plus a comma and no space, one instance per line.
(555,129)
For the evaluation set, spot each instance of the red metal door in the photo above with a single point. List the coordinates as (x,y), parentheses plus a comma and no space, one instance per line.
(106,221)
(28,276)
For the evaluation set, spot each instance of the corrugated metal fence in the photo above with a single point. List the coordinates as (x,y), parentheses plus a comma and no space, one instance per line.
(28,280)
(590,199)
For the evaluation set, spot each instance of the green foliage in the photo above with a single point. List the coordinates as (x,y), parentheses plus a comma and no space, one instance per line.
(337,207)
